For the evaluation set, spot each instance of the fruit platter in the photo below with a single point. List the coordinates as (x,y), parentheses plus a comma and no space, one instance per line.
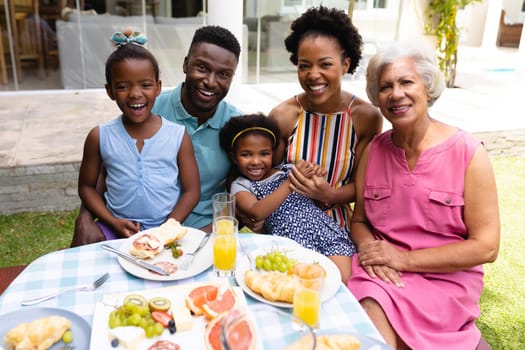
(176,317)
(274,265)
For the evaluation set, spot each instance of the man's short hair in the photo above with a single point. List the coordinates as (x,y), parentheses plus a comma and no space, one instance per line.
(219,36)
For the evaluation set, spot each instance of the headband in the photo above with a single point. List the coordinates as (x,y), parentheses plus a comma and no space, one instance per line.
(254,128)
(120,39)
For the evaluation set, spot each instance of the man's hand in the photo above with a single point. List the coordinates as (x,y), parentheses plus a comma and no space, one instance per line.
(255,226)
(86,230)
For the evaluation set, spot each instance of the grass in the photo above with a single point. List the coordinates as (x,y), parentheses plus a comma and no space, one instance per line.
(24,237)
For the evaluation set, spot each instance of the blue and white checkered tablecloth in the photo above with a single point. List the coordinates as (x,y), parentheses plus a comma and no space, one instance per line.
(72,267)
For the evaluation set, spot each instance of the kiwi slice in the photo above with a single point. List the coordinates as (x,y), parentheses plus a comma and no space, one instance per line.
(159,304)
(136,299)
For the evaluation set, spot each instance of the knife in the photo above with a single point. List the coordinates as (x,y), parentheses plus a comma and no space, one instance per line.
(134,260)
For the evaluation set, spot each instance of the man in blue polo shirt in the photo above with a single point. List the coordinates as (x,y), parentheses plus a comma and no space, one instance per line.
(199,105)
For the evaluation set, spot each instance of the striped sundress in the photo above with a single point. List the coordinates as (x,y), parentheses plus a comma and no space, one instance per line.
(328,140)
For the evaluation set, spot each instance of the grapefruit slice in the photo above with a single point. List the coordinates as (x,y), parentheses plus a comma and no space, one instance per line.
(199,296)
(240,332)
(224,302)
(212,334)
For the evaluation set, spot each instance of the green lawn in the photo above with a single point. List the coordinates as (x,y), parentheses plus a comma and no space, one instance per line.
(24,237)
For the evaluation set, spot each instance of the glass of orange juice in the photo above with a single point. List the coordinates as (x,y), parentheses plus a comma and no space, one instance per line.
(307,297)
(225,232)
(223,204)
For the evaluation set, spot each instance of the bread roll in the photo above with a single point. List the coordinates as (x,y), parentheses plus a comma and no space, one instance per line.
(271,285)
(170,231)
(39,334)
(328,342)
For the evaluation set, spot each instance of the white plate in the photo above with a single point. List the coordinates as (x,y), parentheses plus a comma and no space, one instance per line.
(189,243)
(79,327)
(191,339)
(333,276)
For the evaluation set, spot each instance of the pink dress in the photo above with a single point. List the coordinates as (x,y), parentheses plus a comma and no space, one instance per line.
(415,210)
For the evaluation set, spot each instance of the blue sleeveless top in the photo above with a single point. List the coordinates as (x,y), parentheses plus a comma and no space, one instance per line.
(141,186)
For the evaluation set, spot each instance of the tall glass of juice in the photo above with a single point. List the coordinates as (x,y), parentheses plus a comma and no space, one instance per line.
(307,296)
(225,234)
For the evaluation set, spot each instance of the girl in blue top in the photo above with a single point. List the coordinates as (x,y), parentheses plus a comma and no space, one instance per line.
(151,173)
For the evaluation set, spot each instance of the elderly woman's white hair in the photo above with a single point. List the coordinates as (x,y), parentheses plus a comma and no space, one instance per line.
(425,62)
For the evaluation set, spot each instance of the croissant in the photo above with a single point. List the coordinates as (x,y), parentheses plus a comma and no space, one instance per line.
(39,334)
(271,285)
(328,342)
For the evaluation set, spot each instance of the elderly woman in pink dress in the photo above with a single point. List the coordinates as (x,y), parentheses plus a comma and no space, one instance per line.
(426,215)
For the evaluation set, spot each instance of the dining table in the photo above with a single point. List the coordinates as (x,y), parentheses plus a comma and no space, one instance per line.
(67,268)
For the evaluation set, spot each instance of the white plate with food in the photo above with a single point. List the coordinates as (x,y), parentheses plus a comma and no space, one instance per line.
(190,330)
(299,254)
(79,327)
(188,243)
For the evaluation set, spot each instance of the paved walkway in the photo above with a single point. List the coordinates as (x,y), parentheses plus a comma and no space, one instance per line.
(42,133)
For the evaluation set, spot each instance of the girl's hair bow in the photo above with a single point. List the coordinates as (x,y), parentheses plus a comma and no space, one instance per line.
(120,39)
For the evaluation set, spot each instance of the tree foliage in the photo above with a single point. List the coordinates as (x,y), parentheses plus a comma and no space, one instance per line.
(441,22)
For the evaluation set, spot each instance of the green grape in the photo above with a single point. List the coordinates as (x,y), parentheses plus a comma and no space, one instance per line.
(143,323)
(67,337)
(150,331)
(283,267)
(113,322)
(159,328)
(259,261)
(267,264)
(134,319)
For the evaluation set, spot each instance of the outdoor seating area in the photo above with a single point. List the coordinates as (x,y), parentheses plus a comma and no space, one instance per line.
(509,34)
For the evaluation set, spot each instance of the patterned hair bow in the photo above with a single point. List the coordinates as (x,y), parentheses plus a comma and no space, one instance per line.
(120,39)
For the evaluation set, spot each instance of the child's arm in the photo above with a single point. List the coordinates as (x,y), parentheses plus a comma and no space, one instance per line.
(87,186)
(260,209)
(189,180)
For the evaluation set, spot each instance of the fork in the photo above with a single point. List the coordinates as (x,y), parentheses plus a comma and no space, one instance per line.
(85,288)
(187,258)
(248,255)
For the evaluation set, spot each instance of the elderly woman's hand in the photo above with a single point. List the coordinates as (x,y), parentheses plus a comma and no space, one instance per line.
(380,252)
(385,273)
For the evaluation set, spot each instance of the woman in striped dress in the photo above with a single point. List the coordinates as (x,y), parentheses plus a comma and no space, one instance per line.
(324,124)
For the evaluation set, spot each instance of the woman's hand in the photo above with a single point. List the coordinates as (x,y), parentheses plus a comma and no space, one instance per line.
(381,259)
(379,252)
(385,273)
(310,184)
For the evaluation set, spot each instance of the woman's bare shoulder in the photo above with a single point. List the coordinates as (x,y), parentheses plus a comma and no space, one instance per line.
(285,113)
(367,118)
(288,106)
